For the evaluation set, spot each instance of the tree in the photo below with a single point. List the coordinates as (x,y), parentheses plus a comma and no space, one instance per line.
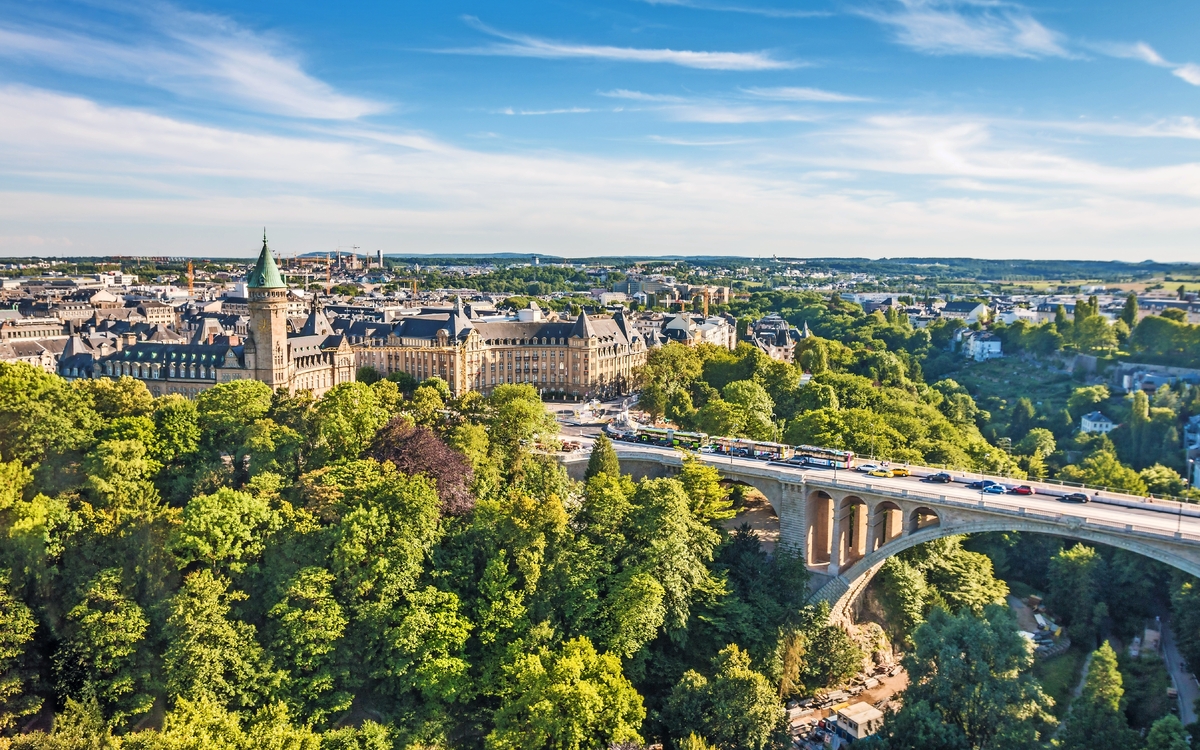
(1039,440)
(306,625)
(418,450)
(755,406)
(100,657)
(225,528)
(1083,400)
(1104,469)
(719,417)
(177,424)
(17,627)
(1096,721)
(113,398)
(40,414)
(603,460)
(972,670)
(347,419)
(1167,734)
(1129,313)
(569,700)
(833,658)
(736,708)
(210,655)
(1162,480)
(709,499)
(1074,582)
(226,409)
(918,726)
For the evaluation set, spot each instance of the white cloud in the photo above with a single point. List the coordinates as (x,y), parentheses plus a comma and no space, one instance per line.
(194,56)
(750,9)
(1189,72)
(566,111)
(800,94)
(640,96)
(963,27)
(527,46)
(117,180)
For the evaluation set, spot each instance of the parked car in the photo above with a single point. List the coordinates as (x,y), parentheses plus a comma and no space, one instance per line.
(982,483)
(941,478)
(1021,489)
(1075,497)
(993,489)
(880,473)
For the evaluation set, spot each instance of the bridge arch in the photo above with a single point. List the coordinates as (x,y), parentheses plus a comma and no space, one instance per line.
(853,529)
(921,518)
(842,591)
(888,524)
(819,535)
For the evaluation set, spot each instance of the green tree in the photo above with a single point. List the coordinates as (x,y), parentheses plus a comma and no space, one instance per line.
(305,626)
(101,655)
(41,414)
(569,700)
(719,417)
(756,407)
(973,671)
(227,528)
(227,409)
(17,626)
(1167,734)
(1038,440)
(1084,400)
(1074,581)
(708,499)
(603,460)
(736,708)
(1129,313)
(1096,721)
(1162,480)
(1104,469)
(211,655)
(918,726)
(347,419)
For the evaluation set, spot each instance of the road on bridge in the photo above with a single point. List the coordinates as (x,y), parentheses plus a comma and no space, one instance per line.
(1159,518)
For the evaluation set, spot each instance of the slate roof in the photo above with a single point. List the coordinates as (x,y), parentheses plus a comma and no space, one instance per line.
(265,274)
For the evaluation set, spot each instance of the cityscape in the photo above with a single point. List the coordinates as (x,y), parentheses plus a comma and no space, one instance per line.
(608,375)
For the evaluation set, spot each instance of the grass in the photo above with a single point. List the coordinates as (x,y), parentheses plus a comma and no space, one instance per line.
(1010,378)
(1059,676)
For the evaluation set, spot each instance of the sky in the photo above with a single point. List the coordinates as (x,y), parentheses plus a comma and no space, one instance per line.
(877,128)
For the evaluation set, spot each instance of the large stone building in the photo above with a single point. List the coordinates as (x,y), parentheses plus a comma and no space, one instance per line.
(584,358)
(314,358)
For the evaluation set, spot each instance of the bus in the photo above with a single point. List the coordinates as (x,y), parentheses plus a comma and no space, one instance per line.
(751,449)
(830,458)
(669,438)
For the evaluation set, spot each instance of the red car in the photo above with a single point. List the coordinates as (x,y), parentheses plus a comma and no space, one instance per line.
(1022,489)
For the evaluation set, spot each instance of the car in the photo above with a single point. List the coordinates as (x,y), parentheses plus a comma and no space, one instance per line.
(866,468)
(1021,489)
(880,473)
(901,472)
(993,489)
(941,478)
(1075,497)
(981,484)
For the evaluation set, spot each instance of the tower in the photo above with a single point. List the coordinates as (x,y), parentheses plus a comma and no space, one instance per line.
(266,348)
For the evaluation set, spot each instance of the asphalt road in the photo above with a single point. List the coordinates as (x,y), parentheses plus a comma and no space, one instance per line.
(1185,683)
(1110,509)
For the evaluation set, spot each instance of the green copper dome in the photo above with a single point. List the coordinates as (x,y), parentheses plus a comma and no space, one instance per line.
(265,274)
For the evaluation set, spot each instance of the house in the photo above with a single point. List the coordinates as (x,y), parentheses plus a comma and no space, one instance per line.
(775,337)
(981,345)
(1094,422)
(967,311)
(855,722)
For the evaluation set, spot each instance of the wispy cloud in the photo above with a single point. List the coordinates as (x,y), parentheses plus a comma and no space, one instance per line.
(749,9)
(520,45)
(799,94)
(1189,72)
(565,111)
(969,27)
(640,96)
(193,56)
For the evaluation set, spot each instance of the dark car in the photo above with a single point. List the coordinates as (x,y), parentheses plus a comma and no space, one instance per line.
(1021,489)
(1075,497)
(981,484)
(941,478)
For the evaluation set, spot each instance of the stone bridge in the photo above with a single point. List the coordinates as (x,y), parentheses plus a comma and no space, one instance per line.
(847,524)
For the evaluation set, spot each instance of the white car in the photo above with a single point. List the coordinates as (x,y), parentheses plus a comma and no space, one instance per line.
(866,468)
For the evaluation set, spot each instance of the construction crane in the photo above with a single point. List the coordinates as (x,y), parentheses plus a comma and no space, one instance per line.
(412,283)
(191,276)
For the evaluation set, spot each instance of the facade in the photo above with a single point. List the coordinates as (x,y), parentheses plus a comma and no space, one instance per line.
(774,336)
(586,358)
(1096,422)
(697,329)
(981,346)
(314,358)
(855,722)
(968,311)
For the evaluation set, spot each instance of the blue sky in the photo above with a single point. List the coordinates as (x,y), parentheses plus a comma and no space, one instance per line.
(875,128)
